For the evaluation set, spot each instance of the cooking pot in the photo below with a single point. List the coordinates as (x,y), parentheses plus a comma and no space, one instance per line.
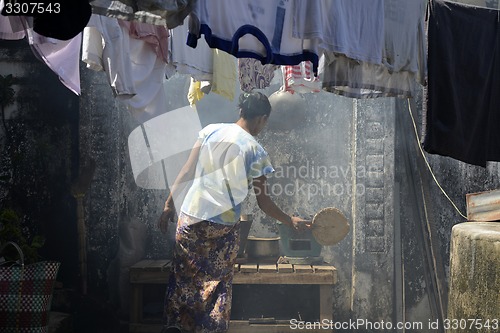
(257,247)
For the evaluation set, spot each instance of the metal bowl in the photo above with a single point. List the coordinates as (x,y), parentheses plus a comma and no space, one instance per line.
(257,247)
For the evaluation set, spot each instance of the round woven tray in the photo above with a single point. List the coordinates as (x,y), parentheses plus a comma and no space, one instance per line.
(329,226)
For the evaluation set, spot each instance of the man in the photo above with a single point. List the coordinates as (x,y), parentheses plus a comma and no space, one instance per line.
(224,163)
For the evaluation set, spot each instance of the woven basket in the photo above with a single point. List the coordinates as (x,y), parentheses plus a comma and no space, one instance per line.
(26,294)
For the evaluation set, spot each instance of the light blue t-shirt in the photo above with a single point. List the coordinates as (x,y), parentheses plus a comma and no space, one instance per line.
(229,159)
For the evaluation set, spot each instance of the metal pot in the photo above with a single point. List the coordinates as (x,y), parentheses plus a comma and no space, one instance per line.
(263,247)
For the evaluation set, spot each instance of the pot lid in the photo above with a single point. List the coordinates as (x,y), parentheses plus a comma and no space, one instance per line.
(329,226)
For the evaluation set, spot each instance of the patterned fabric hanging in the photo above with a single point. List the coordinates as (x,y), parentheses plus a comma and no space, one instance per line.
(300,78)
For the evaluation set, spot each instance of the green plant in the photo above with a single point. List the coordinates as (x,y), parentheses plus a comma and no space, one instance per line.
(11,229)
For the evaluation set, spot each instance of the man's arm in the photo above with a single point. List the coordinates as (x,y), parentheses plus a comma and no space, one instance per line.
(185,175)
(269,207)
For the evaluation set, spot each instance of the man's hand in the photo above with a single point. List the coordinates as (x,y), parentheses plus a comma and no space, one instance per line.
(300,224)
(168,215)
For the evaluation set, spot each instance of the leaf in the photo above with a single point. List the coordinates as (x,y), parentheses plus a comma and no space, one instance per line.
(38,241)
(9,216)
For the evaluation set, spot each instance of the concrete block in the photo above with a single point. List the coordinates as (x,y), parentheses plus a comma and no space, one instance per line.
(474,294)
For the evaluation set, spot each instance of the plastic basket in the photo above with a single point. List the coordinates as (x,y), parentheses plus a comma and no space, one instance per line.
(26,294)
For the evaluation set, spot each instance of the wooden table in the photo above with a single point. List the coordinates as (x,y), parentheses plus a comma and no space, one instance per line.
(157,272)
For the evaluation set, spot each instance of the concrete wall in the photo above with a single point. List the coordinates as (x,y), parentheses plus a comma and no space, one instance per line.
(38,155)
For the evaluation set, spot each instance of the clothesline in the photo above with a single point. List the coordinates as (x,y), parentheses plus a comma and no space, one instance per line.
(368,48)
(341,39)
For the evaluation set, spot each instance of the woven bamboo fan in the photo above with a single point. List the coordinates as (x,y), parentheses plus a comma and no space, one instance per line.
(329,226)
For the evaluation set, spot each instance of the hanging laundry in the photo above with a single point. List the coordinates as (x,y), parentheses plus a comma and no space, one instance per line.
(61,56)
(185,60)
(351,78)
(494,4)
(300,78)
(11,27)
(224,77)
(403,63)
(462,117)
(60,20)
(353,28)
(404,37)
(8,30)
(106,48)
(148,53)
(154,35)
(210,69)
(195,94)
(260,29)
(169,13)
(134,69)
(254,75)
(222,82)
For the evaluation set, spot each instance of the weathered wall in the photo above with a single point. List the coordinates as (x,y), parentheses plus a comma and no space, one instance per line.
(340,153)
(317,159)
(120,217)
(38,158)
(426,216)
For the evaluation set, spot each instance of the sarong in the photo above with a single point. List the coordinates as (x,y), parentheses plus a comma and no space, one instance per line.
(198,296)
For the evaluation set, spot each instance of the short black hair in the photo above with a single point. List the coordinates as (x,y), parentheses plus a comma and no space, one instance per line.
(254,104)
